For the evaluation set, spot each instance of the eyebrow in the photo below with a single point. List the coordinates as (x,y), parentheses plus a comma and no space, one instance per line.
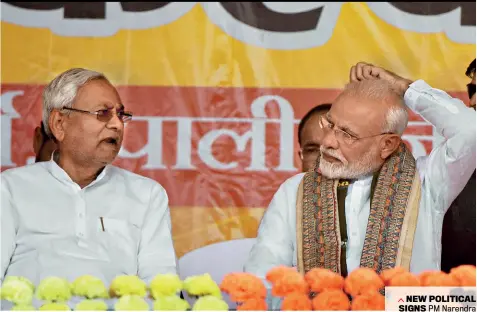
(311,144)
(343,128)
(108,105)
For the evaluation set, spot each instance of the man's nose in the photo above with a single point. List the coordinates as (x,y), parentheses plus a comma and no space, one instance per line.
(329,140)
(115,122)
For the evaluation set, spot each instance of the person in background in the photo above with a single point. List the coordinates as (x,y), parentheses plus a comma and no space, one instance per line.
(470,72)
(43,145)
(458,230)
(310,135)
(77,214)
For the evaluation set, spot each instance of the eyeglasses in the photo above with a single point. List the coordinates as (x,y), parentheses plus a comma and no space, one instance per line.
(105,115)
(471,89)
(341,135)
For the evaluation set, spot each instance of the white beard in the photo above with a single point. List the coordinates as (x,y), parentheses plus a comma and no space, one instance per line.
(345,170)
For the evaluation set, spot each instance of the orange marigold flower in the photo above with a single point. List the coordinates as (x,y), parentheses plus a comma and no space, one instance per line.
(296,302)
(465,274)
(404,279)
(320,279)
(243,286)
(253,304)
(229,282)
(362,280)
(331,300)
(278,272)
(437,278)
(388,274)
(423,276)
(291,282)
(369,301)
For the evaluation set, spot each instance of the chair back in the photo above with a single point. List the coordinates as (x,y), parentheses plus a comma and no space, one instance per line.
(218,260)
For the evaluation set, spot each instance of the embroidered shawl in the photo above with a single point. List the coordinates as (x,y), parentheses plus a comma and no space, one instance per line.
(391,224)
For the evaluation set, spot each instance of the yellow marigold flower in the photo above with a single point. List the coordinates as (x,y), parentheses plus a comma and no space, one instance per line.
(54,289)
(202,285)
(55,306)
(19,278)
(91,305)
(170,303)
(210,303)
(131,303)
(18,290)
(90,287)
(165,285)
(23,307)
(127,285)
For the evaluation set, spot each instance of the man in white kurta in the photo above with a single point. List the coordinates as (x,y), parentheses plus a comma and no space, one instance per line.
(443,174)
(77,214)
(52,227)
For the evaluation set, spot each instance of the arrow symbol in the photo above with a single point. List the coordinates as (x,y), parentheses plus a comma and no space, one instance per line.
(400,300)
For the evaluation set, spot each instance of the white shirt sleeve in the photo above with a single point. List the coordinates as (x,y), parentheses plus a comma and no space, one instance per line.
(275,237)
(156,249)
(8,227)
(450,164)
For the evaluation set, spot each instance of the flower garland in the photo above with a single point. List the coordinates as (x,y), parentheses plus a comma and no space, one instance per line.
(318,290)
(130,292)
(324,290)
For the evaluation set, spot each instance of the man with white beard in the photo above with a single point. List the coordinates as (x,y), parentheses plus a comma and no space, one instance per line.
(369,203)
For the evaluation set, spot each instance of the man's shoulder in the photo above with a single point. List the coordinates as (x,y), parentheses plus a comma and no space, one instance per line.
(24,171)
(134,179)
(293,182)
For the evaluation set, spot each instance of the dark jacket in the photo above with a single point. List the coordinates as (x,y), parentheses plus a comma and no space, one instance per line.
(458,230)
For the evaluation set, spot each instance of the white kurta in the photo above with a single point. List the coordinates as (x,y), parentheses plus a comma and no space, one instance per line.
(51,227)
(443,173)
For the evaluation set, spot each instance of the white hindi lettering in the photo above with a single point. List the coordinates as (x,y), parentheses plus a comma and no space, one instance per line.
(184,144)
(8,114)
(205,147)
(153,147)
(286,133)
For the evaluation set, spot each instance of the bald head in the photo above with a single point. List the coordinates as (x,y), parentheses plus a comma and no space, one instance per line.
(376,103)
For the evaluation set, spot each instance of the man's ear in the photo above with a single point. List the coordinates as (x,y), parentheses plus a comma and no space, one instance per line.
(37,140)
(389,144)
(57,125)
(300,154)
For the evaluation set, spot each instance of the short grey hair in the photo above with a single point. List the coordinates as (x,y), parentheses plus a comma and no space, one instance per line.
(396,120)
(381,91)
(61,91)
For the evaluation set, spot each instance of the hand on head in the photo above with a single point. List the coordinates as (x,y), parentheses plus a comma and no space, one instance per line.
(365,123)
(366,71)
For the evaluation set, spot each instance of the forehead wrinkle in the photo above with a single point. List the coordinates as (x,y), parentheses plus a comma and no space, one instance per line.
(341,127)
